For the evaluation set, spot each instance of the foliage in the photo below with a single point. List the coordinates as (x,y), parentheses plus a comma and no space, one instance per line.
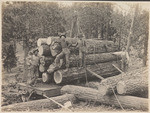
(9,57)
(28,21)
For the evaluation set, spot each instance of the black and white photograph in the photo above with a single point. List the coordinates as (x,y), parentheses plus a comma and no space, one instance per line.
(74,56)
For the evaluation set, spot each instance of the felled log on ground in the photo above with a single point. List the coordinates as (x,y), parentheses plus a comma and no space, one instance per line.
(41,41)
(135,87)
(75,73)
(90,94)
(106,85)
(37,105)
(44,50)
(93,46)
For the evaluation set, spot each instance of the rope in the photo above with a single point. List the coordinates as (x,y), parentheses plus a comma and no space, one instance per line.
(116,97)
(58,103)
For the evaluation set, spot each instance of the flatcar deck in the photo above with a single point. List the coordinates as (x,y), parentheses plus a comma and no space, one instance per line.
(49,90)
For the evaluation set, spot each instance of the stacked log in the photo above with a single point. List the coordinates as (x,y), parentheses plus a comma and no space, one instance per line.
(98,52)
(41,41)
(93,46)
(84,93)
(75,73)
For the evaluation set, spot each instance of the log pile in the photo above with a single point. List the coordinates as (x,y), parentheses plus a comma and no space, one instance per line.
(100,54)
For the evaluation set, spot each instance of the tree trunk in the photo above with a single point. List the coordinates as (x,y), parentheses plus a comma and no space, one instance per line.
(135,87)
(26,50)
(84,93)
(103,69)
(145,58)
(38,105)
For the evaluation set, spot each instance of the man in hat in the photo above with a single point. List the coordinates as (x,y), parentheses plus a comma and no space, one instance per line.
(33,63)
(65,52)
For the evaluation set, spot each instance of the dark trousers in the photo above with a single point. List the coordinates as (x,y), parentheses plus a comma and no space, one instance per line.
(65,52)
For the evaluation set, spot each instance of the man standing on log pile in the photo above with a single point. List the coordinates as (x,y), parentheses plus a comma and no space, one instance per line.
(33,63)
(65,52)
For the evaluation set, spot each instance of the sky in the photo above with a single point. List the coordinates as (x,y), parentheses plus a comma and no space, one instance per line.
(121,6)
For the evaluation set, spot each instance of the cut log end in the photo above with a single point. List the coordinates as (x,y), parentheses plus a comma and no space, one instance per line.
(46,77)
(41,68)
(58,77)
(49,40)
(121,87)
(39,42)
(102,89)
(40,50)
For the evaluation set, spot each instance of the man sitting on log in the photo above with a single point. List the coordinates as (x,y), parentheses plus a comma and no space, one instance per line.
(33,63)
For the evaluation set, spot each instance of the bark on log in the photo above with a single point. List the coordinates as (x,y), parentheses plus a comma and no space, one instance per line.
(85,93)
(93,46)
(134,87)
(37,105)
(104,69)
(106,85)
(95,58)
(41,41)
(44,50)
(91,59)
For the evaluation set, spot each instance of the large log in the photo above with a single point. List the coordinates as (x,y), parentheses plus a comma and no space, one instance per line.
(41,41)
(106,85)
(44,50)
(85,93)
(75,73)
(91,59)
(96,58)
(135,87)
(37,105)
(93,46)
